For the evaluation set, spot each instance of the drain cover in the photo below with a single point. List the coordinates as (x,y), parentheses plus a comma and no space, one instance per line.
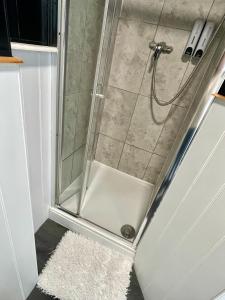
(127,231)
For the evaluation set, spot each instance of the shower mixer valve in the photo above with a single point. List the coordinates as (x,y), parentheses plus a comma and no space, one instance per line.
(159,48)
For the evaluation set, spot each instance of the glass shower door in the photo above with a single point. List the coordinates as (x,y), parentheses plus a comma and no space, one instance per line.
(89,38)
(106,47)
(79,54)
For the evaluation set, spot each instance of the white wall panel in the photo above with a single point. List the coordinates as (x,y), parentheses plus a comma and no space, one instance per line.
(15,189)
(27,134)
(38,93)
(185,239)
(9,275)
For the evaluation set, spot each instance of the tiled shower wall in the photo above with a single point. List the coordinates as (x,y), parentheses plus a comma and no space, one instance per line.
(129,139)
(84,29)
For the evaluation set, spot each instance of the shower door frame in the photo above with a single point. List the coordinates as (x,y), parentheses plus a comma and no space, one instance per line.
(61,45)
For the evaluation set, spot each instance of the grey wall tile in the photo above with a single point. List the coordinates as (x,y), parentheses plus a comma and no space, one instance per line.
(108,151)
(78,160)
(130,54)
(170,130)
(76,24)
(66,172)
(118,109)
(82,120)
(75,45)
(154,168)
(144,132)
(85,100)
(69,124)
(76,114)
(217,11)
(84,31)
(187,97)
(85,21)
(182,14)
(72,77)
(134,161)
(146,10)
(93,26)
(170,67)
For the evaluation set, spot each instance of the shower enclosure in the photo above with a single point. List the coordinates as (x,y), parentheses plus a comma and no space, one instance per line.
(87,188)
(114,156)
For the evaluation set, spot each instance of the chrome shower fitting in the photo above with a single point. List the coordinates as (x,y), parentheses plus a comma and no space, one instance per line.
(159,48)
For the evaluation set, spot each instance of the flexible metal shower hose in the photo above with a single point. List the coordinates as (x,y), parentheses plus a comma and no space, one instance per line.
(153,93)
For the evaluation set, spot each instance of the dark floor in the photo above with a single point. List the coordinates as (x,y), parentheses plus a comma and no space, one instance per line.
(46,239)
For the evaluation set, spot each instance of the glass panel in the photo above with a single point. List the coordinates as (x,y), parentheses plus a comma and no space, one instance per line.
(101,81)
(83,37)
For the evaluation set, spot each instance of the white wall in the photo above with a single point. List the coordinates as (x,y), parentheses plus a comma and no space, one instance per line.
(38,91)
(182,254)
(18,269)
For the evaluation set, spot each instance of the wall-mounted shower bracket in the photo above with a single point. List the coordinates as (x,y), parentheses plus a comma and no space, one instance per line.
(159,48)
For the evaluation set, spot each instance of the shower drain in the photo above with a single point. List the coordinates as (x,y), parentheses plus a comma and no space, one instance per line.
(127,231)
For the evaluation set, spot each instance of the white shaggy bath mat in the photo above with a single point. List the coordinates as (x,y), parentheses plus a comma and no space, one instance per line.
(82,269)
